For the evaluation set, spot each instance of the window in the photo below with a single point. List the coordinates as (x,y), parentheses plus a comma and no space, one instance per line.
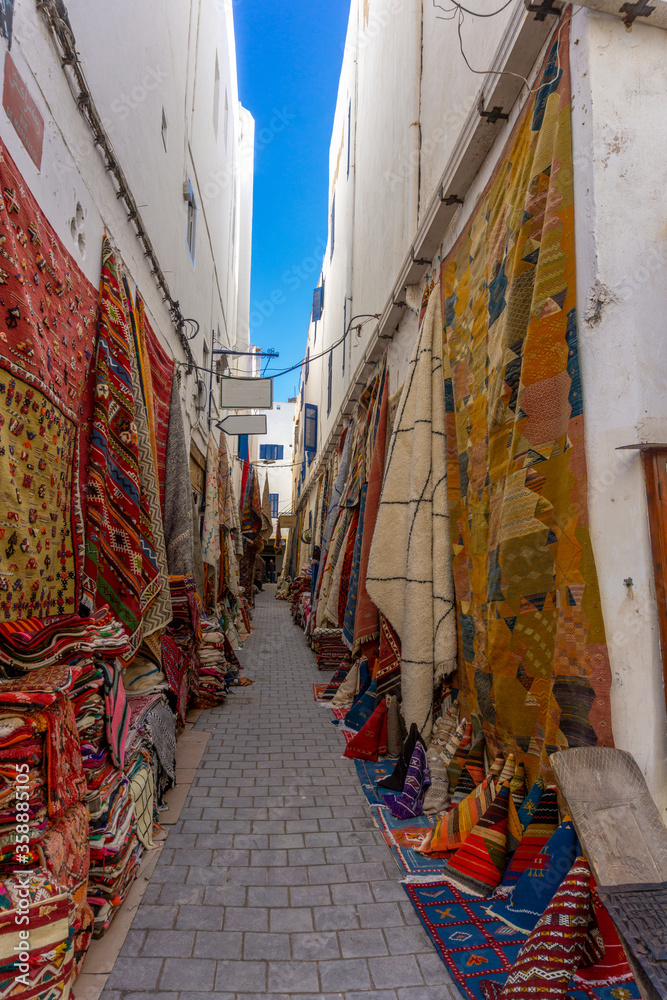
(333,224)
(310,430)
(270,452)
(329,383)
(163,129)
(192,224)
(243,447)
(274,498)
(318,303)
(216,97)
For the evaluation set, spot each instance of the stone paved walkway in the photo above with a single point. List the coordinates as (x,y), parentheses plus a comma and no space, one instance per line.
(275,880)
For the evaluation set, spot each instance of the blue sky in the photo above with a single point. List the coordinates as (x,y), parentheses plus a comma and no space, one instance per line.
(289,58)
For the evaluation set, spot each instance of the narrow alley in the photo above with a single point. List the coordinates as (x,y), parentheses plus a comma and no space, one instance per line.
(276,879)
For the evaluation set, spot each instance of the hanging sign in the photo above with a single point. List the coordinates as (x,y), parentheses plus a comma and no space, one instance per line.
(22,112)
(246,393)
(287,521)
(244,423)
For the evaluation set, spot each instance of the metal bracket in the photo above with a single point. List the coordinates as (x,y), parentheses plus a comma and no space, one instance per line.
(451,199)
(540,10)
(492,116)
(634,10)
(401,304)
(422,261)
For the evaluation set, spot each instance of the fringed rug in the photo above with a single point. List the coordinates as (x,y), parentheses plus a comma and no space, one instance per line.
(475,947)
(368,773)
(410,862)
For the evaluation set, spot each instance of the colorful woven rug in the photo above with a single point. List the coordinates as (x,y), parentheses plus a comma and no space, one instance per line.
(368,773)
(117,570)
(48,332)
(409,861)
(161,367)
(318,691)
(535,662)
(475,947)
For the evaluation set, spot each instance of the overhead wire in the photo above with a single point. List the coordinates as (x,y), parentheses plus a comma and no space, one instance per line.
(367,317)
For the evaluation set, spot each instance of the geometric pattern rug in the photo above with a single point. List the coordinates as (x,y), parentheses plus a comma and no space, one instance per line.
(475,946)
(409,861)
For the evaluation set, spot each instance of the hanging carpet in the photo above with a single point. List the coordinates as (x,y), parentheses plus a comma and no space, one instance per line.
(48,310)
(409,572)
(178,535)
(534,656)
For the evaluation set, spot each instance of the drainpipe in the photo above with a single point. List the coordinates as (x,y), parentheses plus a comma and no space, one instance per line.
(415,123)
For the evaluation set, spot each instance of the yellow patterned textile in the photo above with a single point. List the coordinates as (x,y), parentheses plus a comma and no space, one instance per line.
(533,660)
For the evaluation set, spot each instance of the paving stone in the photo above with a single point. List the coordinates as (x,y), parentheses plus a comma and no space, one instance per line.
(246,919)
(218,944)
(169,944)
(181,893)
(362,944)
(231,974)
(314,947)
(266,946)
(288,920)
(345,974)
(157,917)
(433,969)
(132,943)
(310,895)
(188,974)
(200,918)
(334,918)
(293,977)
(225,895)
(273,895)
(130,973)
(392,972)
(352,892)
(379,915)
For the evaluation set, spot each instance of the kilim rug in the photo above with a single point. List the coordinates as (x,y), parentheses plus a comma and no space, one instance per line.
(409,861)
(475,947)
(534,656)
(48,332)
(318,691)
(161,367)
(117,571)
(368,773)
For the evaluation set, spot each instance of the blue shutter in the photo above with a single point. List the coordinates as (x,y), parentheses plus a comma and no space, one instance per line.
(274,497)
(310,430)
(318,303)
(243,447)
(271,452)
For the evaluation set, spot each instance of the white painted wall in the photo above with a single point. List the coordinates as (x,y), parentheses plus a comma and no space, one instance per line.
(139,60)
(280,430)
(620,152)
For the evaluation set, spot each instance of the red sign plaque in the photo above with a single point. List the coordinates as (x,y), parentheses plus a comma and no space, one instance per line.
(22,112)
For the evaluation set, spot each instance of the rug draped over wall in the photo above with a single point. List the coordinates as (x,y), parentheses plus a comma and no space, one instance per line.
(533,656)
(48,312)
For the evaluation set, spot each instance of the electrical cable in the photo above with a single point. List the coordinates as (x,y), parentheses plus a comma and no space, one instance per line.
(313,357)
